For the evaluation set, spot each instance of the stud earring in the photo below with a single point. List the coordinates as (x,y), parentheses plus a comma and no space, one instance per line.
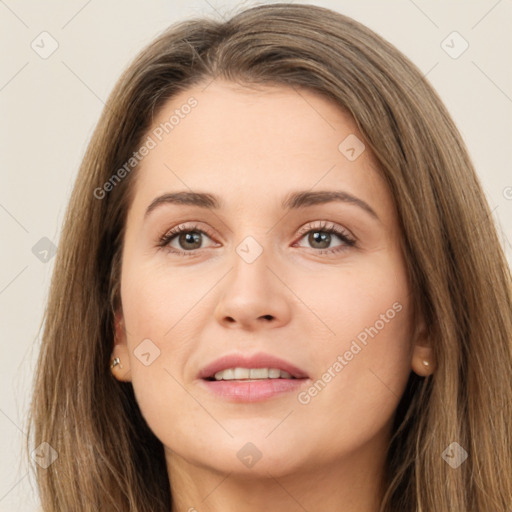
(426,363)
(116,361)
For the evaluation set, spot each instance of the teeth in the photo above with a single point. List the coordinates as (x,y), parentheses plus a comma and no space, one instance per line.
(241,373)
(252,373)
(258,373)
(229,374)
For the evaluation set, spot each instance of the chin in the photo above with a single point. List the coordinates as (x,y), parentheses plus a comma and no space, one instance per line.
(249,456)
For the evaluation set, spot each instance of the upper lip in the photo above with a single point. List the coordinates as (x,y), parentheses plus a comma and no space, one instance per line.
(260,360)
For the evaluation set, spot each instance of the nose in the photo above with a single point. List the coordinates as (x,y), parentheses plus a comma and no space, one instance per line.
(253,295)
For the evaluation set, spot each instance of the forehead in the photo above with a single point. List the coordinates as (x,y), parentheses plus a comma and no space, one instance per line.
(254,143)
(256,118)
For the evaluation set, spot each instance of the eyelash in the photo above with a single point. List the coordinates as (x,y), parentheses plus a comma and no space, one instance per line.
(324,227)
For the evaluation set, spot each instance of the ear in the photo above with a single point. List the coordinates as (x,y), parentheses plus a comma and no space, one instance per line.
(120,354)
(423,358)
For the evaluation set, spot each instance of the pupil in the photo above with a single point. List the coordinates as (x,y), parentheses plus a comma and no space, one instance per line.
(191,237)
(319,237)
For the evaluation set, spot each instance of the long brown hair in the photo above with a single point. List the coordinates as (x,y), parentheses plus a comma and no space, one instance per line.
(108,458)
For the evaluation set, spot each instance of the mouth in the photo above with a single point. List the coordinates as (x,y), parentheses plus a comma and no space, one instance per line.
(250,374)
(241,378)
(239,366)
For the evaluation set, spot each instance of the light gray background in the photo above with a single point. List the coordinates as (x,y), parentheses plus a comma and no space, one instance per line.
(49,108)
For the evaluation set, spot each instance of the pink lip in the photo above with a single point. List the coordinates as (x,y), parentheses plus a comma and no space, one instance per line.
(251,390)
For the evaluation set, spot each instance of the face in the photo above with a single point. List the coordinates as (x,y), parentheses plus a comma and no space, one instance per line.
(292,262)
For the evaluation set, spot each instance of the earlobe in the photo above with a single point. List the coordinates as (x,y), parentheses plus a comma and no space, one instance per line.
(120,361)
(423,359)
(423,365)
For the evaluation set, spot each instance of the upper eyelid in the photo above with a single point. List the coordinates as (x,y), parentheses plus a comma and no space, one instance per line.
(327,225)
(188,226)
(197,226)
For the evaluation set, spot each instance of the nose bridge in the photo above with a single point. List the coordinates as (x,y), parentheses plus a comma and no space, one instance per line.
(250,261)
(250,249)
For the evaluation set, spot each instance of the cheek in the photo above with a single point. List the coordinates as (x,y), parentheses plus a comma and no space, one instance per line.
(355,301)
(161,311)
(363,367)
(159,301)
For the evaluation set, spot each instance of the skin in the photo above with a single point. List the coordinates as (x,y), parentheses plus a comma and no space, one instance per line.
(251,147)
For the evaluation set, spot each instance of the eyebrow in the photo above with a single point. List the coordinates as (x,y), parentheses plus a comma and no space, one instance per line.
(292,201)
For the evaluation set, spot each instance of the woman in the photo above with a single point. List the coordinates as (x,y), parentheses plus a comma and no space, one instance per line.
(337,336)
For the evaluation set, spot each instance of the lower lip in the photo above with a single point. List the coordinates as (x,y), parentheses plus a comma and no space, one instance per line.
(252,390)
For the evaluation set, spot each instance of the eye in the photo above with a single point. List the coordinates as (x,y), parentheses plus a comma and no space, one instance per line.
(320,237)
(188,237)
